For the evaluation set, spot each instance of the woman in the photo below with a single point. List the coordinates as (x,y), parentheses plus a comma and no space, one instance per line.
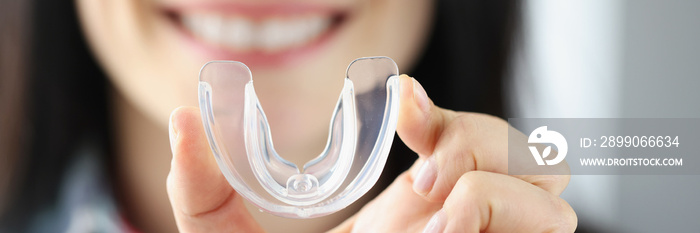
(151,51)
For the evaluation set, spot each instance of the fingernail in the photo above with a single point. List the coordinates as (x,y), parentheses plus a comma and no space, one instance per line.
(437,223)
(414,170)
(420,96)
(425,179)
(172,134)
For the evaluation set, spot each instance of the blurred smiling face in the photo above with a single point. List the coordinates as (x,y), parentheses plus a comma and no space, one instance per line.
(297,50)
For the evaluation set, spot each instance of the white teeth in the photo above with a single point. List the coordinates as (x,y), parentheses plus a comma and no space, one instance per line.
(267,35)
(211,27)
(238,33)
(273,36)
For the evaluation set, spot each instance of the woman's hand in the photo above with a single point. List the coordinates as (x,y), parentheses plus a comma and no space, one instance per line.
(201,198)
(459,183)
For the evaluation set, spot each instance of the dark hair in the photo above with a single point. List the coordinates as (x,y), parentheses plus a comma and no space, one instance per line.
(13,47)
(65,102)
(462,68)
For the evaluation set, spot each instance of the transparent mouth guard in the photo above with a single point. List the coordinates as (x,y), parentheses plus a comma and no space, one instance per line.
(362,128)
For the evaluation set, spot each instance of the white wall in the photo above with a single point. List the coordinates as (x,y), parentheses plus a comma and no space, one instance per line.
(661,76)
(569,67)
(615,58)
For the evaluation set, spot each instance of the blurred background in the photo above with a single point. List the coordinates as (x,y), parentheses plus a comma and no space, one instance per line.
(591,59)
(614,58)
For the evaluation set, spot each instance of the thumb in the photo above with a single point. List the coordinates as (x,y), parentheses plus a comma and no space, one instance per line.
(201,198)
(420,122)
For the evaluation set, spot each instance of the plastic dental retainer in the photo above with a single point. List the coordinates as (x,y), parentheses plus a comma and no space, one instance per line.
(362,128)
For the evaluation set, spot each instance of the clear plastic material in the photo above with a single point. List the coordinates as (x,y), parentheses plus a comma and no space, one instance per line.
(362,128)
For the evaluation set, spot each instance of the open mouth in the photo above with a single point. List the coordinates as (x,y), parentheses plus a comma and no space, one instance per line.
(257,34)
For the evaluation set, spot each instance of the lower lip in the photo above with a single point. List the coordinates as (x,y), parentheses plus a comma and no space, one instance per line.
(289,57)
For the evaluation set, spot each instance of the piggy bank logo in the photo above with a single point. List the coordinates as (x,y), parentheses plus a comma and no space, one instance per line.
(543,136)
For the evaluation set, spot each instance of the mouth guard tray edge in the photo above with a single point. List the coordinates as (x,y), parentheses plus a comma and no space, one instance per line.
(362,129)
